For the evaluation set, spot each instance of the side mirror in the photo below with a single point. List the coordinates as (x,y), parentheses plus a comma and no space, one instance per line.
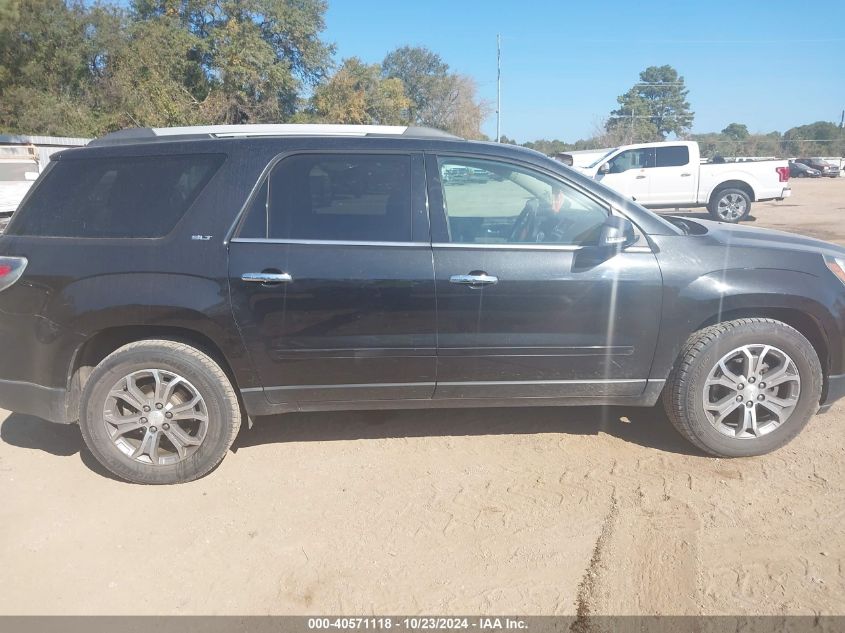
(604,168)
(617,233)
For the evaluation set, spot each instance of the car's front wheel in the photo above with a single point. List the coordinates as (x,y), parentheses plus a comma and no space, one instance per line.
(159,412)
(744,387)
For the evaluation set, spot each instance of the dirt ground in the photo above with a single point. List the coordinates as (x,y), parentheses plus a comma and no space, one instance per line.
(529,511)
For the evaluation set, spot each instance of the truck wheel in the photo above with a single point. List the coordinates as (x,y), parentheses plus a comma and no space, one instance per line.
(744,387)
(159,412)
(729,205)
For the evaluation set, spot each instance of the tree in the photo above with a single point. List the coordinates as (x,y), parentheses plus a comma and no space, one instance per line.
(437,98)
(156,76)
(50,61)
(736,131)
(821,138)
(454,106)
(654,107)
(422,73)
(76,67)
(547,147)
(256,54)
(358,94)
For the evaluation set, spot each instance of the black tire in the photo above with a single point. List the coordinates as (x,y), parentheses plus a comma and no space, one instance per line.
(202,373)
(721,196)
(683,397)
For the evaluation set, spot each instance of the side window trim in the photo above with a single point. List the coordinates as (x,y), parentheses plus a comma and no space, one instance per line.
(437,208)
(420,222)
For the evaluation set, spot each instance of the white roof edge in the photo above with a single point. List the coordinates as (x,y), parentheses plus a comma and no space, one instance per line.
(281,129)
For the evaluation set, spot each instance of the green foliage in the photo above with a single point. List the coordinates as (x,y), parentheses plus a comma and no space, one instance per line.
(73,68)
(736,131)
(437,98)
(653,108)
(423,74)
(816,139)
(549,148)
(49,66)
(255,56)
(821,138)
(358,94)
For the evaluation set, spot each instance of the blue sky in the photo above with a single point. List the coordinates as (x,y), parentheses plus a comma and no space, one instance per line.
(769,64)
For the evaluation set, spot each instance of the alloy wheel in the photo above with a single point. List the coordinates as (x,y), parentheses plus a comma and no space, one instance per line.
(731,207)
(751,391)
(156,417)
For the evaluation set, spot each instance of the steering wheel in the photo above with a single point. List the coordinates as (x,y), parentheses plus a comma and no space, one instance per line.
(525,223)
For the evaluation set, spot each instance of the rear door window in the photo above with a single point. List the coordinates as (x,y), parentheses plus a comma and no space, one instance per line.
(335,197)
(137,196)
(673,156)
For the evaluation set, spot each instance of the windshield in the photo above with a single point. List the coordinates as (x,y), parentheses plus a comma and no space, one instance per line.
(597,161)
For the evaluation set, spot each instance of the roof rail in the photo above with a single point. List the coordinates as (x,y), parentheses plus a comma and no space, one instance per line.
(148,134)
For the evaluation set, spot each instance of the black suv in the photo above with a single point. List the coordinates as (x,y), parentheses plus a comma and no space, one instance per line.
(160,285)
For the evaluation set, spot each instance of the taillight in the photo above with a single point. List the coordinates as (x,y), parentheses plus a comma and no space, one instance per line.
(783,174)
(11,269)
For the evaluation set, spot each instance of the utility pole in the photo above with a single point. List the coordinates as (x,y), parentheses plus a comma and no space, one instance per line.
(842,120)
(498,88)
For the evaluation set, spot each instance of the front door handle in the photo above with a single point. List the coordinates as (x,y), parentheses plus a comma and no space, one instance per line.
(685,175)
(267,278)
(640,176)
(479,279)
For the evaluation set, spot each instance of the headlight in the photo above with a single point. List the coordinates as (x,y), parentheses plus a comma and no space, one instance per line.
(837,266)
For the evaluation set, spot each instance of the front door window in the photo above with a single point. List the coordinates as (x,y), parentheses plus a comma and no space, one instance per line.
(490,202)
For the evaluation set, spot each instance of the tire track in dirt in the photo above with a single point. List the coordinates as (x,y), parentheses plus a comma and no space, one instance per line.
(646,557)
(589,588)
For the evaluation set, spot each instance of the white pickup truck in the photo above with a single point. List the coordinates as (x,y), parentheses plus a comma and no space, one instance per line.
(18,170)
(671,175)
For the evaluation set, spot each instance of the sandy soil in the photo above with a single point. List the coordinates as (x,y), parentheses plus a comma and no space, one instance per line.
(533,511)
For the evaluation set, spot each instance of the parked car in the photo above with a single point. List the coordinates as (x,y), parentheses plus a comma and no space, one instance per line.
(825,168)
(671,175)
(161,285)
(800,170)
(456,175)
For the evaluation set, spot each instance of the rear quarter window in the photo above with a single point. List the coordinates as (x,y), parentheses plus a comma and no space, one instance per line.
(137,196)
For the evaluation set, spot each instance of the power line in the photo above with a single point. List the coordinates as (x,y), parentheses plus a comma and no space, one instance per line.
(775,140)
(734,41)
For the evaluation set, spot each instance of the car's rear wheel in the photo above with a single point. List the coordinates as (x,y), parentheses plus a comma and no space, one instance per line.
(729,205)
(744,387)
(159,412)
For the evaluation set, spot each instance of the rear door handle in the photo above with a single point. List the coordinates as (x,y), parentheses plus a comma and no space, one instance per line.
(685,175)
(640,176)
(481,279)
(267,278)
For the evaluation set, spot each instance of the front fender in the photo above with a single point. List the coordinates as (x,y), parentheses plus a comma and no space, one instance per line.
(726,294)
